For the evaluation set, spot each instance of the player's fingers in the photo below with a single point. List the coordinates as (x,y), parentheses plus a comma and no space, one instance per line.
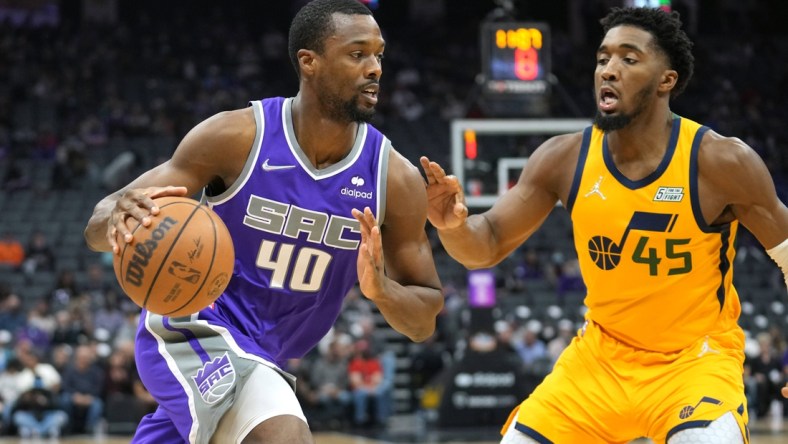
(111,237)
(121,229)
(370,218)
(438,171)
(376,244)
(362,221)
(366,219)
(460,209)
(366,230)
(426,165)
(153,193)
(785,391)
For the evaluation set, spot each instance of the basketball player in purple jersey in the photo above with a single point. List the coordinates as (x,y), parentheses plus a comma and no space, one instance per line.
(288,177)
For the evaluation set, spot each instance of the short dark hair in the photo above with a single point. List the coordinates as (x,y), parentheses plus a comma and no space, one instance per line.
(668,36)
(313,23)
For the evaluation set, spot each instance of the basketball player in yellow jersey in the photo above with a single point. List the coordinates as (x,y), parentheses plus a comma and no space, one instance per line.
(655,201)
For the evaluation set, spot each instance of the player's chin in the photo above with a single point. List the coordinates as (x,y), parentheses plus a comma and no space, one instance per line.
(364,114)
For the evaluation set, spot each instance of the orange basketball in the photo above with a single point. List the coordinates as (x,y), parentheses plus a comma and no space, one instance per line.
(180,263)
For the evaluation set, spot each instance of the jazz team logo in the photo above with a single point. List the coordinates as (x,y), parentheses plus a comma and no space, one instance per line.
(606,253)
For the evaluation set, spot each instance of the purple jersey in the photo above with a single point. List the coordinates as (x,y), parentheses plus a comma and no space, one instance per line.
(296,245)
(295,238)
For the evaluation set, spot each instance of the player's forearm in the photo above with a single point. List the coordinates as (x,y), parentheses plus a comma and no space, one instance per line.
(410,309)
(471,244)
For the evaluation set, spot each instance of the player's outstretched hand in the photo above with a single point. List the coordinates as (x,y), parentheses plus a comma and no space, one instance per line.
(137,203)
(370,268)
(785,391)
(445,199)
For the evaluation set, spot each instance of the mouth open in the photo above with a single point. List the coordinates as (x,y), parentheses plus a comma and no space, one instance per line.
(608,100)
(371,93)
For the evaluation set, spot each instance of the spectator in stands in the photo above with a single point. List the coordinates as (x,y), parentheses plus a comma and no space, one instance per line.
(81,390)
(354,307)
(12,253)
(566,331)
(569,279)
(61,356)
(364,329)
(70,329)
(531,267)
(750,389)
(767,370)
(9,392)
(365,373)
(64,291)
(35,412)
(40,318)
(529,346)
(6,349)
(39,255)
(118,382)
(328,378)
(109,316)
(12,313)
(126,331)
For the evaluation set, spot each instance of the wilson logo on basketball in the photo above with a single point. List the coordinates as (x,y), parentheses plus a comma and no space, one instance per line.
(135,271)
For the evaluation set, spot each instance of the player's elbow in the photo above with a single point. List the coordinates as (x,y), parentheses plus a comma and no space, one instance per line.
(421,335)
(425,328)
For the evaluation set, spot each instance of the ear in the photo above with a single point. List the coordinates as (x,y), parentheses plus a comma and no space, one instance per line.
(307,61)
(668,81)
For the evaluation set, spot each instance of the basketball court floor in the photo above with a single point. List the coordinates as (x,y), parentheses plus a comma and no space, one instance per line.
(762,432)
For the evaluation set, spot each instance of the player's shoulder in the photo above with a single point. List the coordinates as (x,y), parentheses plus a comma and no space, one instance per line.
(563,143)
(558,150)
(226,127)
(723,152)
(402,170)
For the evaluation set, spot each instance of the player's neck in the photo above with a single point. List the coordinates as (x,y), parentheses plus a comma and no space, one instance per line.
(647,135)
(324,141)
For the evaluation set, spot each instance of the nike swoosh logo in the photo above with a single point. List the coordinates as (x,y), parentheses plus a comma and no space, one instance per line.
(267,167)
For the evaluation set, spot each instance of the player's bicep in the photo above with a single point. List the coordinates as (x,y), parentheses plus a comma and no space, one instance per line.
(406,247)
(216,147)
(753,196)
(168,173)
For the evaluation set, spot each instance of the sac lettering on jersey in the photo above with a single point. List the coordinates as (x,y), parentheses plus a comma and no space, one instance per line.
(290,220)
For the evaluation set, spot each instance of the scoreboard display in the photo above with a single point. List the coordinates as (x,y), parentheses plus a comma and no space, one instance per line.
(515,57)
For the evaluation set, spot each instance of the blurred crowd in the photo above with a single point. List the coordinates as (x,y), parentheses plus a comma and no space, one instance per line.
(93,99)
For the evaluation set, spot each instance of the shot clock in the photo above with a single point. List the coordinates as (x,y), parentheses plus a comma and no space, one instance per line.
(515,57)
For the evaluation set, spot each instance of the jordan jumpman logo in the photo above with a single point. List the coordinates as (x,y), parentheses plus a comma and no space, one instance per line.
(596,190)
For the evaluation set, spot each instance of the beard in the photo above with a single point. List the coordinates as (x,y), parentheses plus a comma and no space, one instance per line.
(608,123)
(347,110)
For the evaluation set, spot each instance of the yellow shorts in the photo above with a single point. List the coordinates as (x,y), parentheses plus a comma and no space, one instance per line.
(604,391)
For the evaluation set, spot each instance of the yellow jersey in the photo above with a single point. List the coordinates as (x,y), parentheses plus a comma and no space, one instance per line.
(658,277)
